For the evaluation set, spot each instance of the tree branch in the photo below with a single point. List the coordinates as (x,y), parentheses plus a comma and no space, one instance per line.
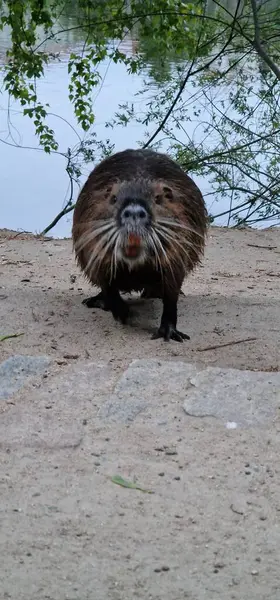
(63,212)
(258,44)
(191,73)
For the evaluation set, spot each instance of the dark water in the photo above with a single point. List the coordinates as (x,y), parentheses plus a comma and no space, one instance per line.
(34,185)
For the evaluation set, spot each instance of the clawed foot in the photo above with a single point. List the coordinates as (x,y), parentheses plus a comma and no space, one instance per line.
(169,332)
(96,302)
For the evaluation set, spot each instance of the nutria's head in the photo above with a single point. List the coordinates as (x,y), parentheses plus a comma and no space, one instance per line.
(134,223)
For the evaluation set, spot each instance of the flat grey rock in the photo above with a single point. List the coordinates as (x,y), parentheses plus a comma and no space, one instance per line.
(238,398)
(144,383)
(16,370)
(246,398)
(54,415)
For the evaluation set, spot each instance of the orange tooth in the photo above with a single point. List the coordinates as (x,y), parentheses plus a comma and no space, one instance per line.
(134,240)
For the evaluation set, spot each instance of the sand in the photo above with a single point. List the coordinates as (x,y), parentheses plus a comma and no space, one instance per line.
(233,295)
(211,529)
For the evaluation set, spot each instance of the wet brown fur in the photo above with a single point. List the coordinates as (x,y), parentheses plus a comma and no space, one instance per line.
(181,200)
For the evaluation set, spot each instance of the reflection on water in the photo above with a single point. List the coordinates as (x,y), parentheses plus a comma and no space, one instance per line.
(35,185)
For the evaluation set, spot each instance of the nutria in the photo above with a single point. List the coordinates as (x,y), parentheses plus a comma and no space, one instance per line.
(139,225)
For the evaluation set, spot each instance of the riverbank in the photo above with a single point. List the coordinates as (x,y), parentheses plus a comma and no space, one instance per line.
(77,410)
(234,295)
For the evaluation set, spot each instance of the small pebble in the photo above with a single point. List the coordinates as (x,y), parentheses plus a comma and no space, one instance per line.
(254,572)
(165,568)
(231,425)
(71,356)
(84,421)
(219,565)
(177,478)
(161,474)
(171,452)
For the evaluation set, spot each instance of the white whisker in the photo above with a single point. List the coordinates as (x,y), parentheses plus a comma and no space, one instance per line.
(95,256)
(89,236)
(173,239)
(115,254)
(113,265)
(153,239)
(173,223)
(167,259)
(105,250)
(171,236)
(159,244)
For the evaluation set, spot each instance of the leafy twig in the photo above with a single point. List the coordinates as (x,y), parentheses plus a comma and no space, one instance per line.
(129,484)
(8,336)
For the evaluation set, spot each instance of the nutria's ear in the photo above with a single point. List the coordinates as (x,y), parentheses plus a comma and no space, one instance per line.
(162,192)
(168,194)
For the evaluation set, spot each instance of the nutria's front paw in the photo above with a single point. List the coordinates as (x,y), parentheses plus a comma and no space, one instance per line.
(120,310)
(169,332)
(96,302)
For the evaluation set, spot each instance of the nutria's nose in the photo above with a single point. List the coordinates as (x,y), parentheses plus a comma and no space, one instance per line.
(134,213)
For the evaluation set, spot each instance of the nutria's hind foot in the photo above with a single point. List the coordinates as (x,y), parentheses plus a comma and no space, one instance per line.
(97,301)
(169,332)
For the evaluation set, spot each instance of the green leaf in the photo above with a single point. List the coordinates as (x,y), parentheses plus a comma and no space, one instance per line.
(8,336)
(129,484)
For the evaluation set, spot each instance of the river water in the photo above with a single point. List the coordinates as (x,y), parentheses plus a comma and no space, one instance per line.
(34,185)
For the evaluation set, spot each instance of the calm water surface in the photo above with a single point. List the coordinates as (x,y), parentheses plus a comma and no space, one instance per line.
(34,185)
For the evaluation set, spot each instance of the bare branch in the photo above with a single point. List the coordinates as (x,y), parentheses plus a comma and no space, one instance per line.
(63,212)
(191,73)
(258,44)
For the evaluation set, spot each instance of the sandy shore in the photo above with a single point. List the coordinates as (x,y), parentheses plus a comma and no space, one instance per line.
(210,528)
(233,296)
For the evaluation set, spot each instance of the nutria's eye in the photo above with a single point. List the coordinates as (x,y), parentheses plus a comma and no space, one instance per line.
(113,199)
(158,199)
